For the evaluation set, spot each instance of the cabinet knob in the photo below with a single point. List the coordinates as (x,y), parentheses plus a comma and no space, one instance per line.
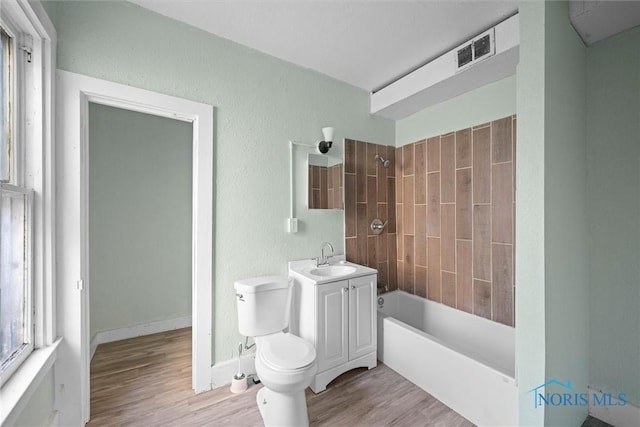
(353,287)
(345,289)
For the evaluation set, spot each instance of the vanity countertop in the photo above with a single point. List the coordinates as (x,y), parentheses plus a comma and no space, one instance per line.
(337,269)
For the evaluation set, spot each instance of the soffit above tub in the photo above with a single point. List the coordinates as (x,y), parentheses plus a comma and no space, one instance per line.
(447,76)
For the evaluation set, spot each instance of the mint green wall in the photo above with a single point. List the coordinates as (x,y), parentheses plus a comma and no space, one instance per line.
(261,104)
(530,212)
(566,254)
(487,103)
(40,408)
(613,154)
(139,218)
(552,319)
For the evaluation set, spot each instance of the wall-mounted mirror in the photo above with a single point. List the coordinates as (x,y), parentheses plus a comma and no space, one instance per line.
(325,188)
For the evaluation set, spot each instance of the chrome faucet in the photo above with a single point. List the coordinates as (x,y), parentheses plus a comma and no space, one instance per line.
(324,260)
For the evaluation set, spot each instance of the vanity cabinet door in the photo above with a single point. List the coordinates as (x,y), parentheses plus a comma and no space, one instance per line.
(362,313)
(333,324)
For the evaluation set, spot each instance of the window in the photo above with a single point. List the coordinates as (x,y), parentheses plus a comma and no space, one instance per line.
(16,333)
(26,195)
(16,296)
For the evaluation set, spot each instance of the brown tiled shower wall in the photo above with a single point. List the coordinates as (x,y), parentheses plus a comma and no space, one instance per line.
(370,193)
(453,229)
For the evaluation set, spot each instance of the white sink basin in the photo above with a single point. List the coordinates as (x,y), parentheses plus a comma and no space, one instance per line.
(339,269)
(333,270)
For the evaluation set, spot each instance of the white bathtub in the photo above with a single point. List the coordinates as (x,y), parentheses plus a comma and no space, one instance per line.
(465,361)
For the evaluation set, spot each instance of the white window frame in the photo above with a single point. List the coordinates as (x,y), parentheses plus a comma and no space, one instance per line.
(34,140)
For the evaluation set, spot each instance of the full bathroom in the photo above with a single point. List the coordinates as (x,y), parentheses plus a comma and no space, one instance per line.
(467,243)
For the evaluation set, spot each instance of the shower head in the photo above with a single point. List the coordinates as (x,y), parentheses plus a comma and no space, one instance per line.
(385,162)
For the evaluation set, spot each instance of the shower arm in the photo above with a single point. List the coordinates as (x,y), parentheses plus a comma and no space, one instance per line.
(385,162)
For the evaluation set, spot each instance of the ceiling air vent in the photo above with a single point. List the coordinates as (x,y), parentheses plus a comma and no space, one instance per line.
(475,50)
(465,55)
(495,52)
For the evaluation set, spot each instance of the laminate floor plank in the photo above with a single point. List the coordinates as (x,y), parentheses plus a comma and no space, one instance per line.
(146,381)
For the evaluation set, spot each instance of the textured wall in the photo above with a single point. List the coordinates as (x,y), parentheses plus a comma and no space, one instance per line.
(480,105)
(530,258)
(261,104)
(566,249)
(41,407)
(139,218)
(613,184)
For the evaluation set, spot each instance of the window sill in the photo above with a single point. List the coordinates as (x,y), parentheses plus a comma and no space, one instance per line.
(16,392)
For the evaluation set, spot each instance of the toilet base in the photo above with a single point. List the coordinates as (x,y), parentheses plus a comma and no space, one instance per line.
(282,409)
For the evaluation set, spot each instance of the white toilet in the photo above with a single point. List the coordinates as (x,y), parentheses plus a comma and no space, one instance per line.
(285,363)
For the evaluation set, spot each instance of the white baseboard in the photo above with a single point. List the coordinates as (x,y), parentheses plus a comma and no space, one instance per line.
(223,372)
(138,331)
(626,415)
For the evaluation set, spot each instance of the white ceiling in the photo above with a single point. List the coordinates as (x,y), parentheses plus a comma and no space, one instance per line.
(371,43)
(368,44)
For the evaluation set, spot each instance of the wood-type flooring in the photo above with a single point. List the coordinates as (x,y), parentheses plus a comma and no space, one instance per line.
(146,381)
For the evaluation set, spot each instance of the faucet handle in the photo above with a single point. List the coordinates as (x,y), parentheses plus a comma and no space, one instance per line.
(377,226)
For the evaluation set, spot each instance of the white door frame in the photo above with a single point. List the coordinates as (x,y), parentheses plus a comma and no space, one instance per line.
(74,93)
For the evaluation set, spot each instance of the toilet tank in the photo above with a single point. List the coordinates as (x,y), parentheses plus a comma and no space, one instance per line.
(263,304)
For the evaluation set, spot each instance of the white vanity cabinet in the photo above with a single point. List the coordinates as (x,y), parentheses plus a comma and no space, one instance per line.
(339,318)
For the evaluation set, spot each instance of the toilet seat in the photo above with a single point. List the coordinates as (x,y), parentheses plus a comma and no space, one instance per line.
(286,352)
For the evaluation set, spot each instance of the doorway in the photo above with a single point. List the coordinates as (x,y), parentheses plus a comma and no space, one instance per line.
(75,94)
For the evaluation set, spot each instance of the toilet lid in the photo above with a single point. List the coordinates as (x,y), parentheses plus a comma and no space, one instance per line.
(287,351)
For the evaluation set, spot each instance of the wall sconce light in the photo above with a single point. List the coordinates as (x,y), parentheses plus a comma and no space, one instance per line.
(323,146)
